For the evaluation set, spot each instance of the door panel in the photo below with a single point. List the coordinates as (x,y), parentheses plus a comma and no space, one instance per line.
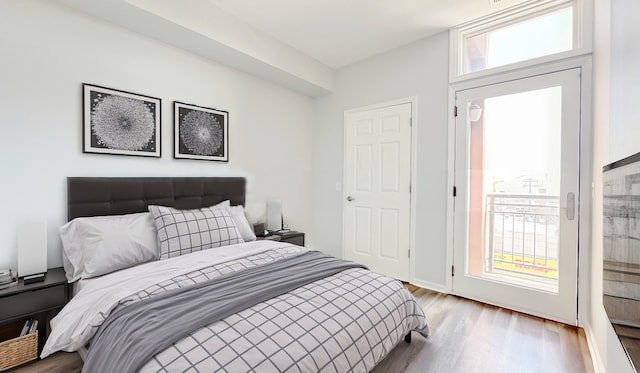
(389,218)
(377,189)
(390,166)
(517,147)
(363,230)
(364,159)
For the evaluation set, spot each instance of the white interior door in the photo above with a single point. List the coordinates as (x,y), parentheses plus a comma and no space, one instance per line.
(516,204)
(377,176)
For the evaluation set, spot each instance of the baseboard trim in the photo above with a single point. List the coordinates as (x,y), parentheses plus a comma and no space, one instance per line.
(430,285)
(596,358)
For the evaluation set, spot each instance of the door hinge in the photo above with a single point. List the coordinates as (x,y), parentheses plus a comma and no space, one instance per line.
(409,187)
(410,121)
(455,191)
(455,111)
(453,271)
(409,253)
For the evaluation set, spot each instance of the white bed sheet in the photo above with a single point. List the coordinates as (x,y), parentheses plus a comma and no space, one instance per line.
(74,326)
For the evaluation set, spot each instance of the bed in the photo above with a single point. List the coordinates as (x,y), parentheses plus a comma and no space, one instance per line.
(240,306)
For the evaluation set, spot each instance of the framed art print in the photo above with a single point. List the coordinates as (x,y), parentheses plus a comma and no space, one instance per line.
(200,133)
(119,122)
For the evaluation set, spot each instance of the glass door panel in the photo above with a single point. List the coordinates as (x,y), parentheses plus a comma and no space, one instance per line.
(515,188)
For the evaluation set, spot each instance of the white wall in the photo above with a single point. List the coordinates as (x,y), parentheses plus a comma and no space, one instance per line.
(49,50)
(596,327)
(616,87)
(419,69)
(624,130)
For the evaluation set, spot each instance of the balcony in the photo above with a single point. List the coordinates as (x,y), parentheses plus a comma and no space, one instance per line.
(521,237)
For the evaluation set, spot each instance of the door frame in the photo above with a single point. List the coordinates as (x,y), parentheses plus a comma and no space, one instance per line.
(585,183)
(413,100)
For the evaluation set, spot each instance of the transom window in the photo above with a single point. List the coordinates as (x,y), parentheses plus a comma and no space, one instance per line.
(517,36)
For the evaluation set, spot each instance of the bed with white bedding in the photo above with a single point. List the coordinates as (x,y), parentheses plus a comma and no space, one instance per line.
(347,321)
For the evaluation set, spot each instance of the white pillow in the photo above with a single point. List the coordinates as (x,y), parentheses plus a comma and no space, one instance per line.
(185,231)
(69,268)
(237,213)
(223,205)
(94,246)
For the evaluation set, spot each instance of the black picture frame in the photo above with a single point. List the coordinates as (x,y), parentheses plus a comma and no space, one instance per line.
(200,133)
(120,123)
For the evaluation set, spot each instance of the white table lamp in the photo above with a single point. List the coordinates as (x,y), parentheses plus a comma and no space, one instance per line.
(32,251)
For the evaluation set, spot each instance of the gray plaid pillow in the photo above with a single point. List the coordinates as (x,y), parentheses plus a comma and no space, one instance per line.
(185,231)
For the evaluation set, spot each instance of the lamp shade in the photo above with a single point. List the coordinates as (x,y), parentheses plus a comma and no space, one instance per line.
(32,248)
(274,216)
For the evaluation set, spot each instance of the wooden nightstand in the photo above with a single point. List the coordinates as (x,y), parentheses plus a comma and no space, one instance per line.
(41,300)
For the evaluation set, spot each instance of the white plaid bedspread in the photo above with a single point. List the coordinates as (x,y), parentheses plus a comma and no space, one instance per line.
(344,323)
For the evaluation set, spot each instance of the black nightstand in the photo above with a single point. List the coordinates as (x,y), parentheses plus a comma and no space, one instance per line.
(41,300)
(292,237)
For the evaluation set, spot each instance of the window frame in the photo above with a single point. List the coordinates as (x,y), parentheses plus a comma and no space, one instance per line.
(582,35)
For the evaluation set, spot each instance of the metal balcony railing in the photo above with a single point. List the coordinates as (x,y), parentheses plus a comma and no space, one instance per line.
(522,234)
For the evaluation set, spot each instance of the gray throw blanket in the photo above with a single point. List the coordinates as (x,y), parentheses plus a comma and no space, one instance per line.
(132,335)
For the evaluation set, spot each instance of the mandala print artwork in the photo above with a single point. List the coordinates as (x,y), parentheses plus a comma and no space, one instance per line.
(200,133)
(118,122)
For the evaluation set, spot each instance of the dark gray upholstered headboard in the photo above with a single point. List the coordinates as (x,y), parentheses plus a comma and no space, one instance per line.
(96,196)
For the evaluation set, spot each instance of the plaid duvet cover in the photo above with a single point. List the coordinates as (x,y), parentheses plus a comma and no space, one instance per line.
(347,322)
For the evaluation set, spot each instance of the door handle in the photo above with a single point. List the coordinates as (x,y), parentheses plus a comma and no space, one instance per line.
(349,198)
(571,205)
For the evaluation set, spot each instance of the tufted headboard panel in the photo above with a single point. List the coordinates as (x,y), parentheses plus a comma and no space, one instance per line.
(96,196)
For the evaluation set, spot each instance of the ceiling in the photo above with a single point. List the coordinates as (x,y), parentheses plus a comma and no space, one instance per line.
(340,32)
(297,44)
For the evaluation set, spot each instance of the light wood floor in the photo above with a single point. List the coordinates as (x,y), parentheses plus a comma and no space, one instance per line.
(466,336)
